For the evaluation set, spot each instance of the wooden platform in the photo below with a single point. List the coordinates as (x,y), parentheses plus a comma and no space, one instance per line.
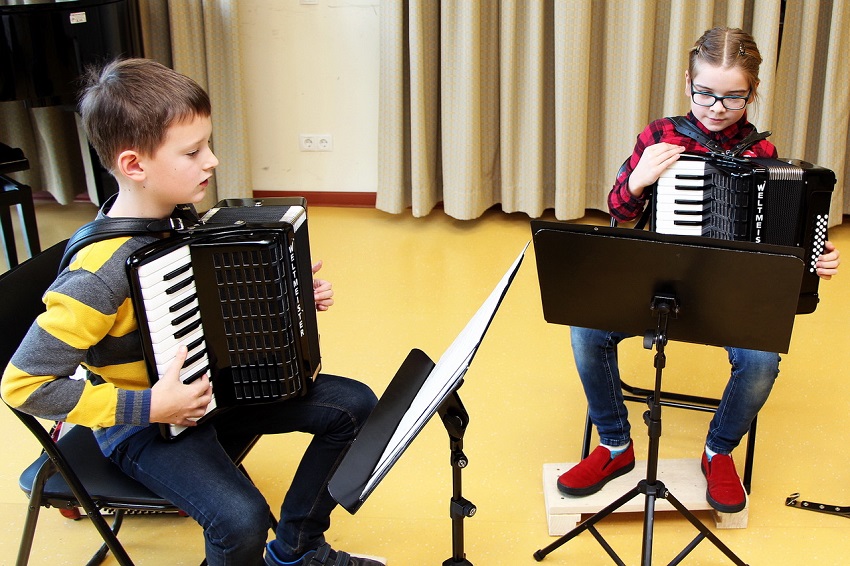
(683,478)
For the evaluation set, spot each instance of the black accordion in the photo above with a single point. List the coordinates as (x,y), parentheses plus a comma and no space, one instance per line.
(761,200)
(238,293)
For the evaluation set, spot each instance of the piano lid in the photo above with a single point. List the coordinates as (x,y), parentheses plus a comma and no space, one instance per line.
(45,45)
(12,159)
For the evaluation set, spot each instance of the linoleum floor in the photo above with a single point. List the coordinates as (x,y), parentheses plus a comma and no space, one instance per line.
(403,283)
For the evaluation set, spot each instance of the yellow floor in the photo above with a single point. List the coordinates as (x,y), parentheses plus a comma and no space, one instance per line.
(405,283)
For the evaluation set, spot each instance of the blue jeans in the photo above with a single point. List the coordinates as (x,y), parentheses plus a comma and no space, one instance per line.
(752,378)
(197,474)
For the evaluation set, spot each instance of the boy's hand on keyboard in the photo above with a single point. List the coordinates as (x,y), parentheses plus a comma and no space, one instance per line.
(322,290)
(175,402)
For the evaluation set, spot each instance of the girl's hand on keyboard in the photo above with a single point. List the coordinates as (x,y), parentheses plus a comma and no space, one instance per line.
(653,162)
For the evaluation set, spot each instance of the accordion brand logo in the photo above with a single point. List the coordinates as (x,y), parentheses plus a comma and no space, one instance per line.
(759,216)
(296,290)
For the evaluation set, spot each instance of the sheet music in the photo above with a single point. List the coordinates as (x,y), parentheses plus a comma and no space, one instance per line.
(444,378)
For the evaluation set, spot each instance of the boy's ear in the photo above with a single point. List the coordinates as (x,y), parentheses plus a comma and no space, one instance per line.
(129,165)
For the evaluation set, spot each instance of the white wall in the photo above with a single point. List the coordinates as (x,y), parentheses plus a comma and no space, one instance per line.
(311,69)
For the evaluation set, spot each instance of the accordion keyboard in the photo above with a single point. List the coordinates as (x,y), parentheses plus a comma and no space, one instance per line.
(173,314)
(681,198)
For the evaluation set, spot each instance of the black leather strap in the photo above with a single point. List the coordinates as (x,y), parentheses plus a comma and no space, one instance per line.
(182,219)
(753,138)
(687,128)
(793,500)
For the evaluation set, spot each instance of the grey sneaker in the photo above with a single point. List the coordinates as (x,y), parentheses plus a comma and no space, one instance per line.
(325,556)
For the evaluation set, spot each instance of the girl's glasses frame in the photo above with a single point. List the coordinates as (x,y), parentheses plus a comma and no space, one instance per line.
(707,99)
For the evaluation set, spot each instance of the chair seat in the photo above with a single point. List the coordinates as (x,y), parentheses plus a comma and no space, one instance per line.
(102,479)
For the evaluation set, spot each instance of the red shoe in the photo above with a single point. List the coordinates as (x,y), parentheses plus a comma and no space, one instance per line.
(725,492)
(592,473)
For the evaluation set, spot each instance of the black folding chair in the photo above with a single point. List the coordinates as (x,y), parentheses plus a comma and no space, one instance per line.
(71,472)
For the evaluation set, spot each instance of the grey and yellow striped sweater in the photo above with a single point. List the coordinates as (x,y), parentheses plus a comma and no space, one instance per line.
(89,321)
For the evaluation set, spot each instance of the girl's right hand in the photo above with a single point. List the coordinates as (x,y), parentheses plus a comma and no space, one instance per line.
(175,402)
(653,161)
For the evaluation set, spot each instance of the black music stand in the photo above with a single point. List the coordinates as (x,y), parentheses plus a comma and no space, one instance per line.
(689,289)
(419,389)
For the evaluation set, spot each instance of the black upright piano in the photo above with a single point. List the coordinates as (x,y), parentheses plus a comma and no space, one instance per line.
(45,46)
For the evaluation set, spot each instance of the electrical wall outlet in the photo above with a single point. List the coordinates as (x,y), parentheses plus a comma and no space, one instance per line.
(315,142)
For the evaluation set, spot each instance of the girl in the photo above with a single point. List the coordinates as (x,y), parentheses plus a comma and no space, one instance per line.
(721,80)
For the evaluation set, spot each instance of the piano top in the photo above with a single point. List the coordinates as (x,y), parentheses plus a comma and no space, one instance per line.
(12,159)
(46,45)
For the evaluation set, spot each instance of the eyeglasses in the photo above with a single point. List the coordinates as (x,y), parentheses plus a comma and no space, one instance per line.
(735,102)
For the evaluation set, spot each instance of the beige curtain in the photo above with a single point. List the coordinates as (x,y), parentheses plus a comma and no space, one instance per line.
(534,105)
(195,37)
(812,102)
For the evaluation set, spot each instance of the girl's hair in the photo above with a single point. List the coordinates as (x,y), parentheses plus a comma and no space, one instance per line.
(727,48)
(130,104)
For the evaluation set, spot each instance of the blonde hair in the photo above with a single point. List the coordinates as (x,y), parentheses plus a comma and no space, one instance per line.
(727,48)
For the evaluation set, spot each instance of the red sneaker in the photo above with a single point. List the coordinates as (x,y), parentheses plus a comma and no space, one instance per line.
(592,473)
(725,491)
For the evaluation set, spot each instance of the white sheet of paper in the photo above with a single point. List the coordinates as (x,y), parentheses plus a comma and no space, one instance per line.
(444,378)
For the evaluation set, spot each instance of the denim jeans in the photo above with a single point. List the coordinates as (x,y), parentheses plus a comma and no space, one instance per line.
(752,378)
(197,474)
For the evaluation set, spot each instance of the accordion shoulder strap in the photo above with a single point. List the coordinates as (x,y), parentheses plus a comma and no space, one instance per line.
(104,228)
(753,138)
(687,128)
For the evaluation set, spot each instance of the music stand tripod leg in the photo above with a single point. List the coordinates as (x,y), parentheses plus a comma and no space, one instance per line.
(455,419)
(663,307)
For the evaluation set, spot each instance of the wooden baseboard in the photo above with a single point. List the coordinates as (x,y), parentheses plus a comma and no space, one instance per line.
(325,198)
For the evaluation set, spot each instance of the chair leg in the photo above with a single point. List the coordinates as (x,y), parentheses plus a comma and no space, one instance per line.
(107,533)
(109,536)
(28,224)
(751,452)
(35,504)
(8,237)
(29,530)
(101,553)
(588,429)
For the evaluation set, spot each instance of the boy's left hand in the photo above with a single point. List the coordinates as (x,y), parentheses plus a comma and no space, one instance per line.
(828,262)
(322,290)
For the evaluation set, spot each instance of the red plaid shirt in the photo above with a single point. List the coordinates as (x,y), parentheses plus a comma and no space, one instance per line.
(624,206)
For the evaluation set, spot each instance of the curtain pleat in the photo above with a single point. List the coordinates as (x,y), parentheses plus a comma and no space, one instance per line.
(812,104)
(542,114)
(205,46)
(571,74)
(49,139)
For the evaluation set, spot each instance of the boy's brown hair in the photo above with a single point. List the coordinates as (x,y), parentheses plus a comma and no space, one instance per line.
(130,103)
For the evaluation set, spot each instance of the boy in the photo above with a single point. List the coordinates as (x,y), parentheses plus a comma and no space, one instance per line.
(151,129)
